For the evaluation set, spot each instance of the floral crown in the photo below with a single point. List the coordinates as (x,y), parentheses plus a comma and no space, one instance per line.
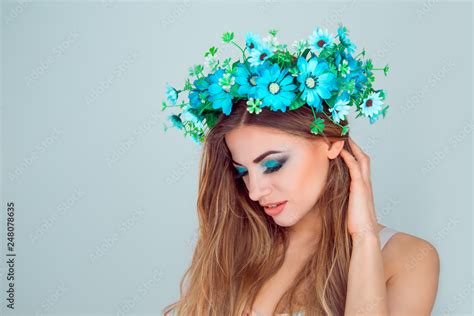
(269,75)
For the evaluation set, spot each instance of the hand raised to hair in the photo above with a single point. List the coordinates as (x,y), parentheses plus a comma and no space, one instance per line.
(361,209)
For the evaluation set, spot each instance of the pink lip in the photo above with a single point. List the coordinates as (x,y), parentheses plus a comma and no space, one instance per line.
(275,210)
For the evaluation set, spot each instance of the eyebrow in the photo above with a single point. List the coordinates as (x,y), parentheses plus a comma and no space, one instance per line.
(261,157)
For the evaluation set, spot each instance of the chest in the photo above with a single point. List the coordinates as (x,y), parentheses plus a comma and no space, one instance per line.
(274,288)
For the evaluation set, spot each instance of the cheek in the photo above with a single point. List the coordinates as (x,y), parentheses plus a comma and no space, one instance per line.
(306,181)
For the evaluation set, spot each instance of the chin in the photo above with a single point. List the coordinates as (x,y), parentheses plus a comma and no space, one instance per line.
(285,220)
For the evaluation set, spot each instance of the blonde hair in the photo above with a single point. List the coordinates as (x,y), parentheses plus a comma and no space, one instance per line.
(239,247)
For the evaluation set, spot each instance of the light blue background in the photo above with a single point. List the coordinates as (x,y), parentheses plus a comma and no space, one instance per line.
(105,201)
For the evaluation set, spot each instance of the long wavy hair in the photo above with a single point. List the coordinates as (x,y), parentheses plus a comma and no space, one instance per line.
(239,247)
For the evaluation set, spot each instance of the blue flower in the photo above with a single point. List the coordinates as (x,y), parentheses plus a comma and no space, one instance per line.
(171,94)
(320,39)
(247,79)
(372,105)
(176,121)
(340,108)
(360,79)
(316,82)
(356,72)
(259,54)
(374,118)
(252,40)
(220,97)
(199,95)
(192,115)
(342,32)
(275,88)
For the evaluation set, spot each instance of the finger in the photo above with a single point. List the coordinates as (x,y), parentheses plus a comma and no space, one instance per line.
(362,158)
(364,162)
(353,164)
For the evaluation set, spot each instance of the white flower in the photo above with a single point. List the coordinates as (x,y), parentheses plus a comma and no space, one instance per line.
(271,41)
(227,81)
(300,45)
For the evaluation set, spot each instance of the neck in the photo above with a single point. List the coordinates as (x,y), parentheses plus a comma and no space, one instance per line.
(307,231)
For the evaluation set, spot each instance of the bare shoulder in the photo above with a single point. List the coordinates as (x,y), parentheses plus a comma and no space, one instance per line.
(413,266)
(407,252)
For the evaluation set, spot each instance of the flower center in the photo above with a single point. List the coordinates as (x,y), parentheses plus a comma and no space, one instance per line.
(251,46)
(262,56)
(252,80)
(274,88)
(321,43)
(310,82)
(368,103)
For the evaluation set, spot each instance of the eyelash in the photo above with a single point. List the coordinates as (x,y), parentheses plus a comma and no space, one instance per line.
(267,171)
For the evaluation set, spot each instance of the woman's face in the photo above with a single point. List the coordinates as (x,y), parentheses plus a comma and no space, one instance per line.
(297,174)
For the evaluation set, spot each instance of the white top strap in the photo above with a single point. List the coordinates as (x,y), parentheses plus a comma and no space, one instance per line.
(385,234)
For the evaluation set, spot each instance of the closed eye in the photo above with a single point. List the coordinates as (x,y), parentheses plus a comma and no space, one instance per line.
(267,171)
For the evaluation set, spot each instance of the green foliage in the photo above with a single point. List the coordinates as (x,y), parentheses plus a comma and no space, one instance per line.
(284,59)
(345,129)
(212,51)
(188,85)
(330,102)
(196,70)
(211,118)
(273,32)
(385,110)
(227,37)
(328,51)
(297,102)
(317,126)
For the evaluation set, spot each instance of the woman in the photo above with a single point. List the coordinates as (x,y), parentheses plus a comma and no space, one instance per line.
(287,225)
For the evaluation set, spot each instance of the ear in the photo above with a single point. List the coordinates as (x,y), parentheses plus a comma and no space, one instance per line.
(335,149)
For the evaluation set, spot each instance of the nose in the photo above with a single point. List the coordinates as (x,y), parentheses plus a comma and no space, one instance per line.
(257,187)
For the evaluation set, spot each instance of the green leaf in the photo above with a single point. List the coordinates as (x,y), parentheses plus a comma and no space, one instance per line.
(382,94)
(332,100)
(228,37)
(293,70)
(328,51)
(213,50)
(284,59)
(305,52)
(317,126)
(234,89)
(226,62)
(345,129)
(369,65)
(371,78)
(297,102)
(187,85)
(385,110)
(198,69)
(211,119)
(164,106)
(273,32)
(348,86)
